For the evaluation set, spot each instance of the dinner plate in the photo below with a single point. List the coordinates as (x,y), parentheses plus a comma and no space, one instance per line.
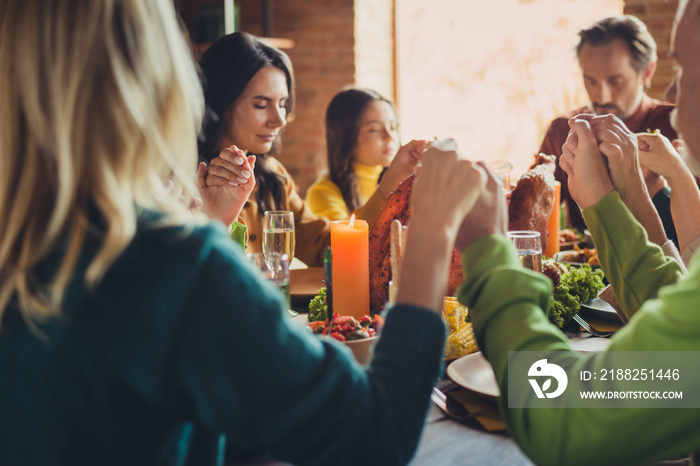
(305,283)
(560,257)
(601,308)
(567,245)
(474,372)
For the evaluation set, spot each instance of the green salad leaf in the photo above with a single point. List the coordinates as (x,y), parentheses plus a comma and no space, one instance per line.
(578,285)
(318,308)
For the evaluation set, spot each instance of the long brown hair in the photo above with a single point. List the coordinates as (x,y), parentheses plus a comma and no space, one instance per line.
(227,67)
(343,120)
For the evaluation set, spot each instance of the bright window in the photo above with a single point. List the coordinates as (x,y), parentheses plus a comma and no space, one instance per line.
(491,74)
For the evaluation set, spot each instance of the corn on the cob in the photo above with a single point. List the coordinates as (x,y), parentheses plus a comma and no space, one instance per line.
(461,342)
(453,313)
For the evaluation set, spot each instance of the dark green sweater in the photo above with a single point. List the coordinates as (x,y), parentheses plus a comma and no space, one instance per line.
(181,342)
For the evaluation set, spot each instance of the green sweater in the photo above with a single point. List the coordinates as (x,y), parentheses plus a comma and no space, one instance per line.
(183,341)
(515,321)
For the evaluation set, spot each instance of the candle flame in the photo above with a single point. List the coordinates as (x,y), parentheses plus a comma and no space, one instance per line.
(352,221)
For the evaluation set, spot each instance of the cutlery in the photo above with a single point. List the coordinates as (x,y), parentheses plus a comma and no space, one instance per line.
(455,410)
(587,327)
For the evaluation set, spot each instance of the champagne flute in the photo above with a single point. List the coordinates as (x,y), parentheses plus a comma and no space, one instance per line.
(278,233)
(529,248)
(275,267)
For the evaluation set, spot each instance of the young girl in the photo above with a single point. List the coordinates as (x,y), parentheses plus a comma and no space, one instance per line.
(362,139)
(134,333)
(249,92)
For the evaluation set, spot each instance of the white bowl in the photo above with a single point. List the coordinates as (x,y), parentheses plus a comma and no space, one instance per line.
(362,349)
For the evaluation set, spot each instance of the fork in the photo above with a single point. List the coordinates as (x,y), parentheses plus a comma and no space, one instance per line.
(453,409)
(587,327)
(440,400)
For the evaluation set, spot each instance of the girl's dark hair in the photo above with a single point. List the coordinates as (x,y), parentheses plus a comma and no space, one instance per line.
(343,119)
(227,67)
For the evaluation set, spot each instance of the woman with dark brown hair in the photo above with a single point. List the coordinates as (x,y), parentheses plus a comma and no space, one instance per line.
(249,92)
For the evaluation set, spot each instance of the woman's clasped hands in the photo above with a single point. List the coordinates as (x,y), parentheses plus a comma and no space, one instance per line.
(226,184)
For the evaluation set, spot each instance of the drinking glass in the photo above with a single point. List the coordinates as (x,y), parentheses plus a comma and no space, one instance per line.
(278,233)
(529,248)
(274,267)
(502,169)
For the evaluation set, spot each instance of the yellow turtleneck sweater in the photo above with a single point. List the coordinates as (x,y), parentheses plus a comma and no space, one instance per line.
(325,199)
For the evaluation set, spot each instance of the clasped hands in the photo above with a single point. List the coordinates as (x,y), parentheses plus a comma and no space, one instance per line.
(602,155)
(226,184)
(465,198)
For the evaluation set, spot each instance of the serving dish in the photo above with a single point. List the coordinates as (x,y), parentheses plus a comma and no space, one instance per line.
(561,257)
(361,349)
(568,245)
(600,308)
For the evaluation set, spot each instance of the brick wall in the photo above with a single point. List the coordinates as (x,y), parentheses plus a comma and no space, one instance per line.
(658,16)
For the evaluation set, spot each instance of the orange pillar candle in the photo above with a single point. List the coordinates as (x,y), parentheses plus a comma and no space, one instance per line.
(553,224)
(350,248)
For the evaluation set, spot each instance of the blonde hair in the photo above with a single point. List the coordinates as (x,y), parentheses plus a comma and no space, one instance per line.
(100,104)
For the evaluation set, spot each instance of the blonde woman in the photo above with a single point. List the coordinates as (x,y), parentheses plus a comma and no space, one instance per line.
(134,334)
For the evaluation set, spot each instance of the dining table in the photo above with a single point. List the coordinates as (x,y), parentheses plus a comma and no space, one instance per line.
(476,441)
(481,439)
(447,441)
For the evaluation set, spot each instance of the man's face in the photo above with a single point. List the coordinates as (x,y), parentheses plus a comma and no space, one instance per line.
(685,46)
(612,83)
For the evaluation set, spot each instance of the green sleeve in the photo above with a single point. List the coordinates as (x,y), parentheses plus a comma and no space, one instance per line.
(635,268)
(238,234)
(491,267)
(507,306)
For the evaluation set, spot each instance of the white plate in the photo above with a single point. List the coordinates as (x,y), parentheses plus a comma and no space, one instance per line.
(568,245)
(474,372)
(561,258)
(601,308)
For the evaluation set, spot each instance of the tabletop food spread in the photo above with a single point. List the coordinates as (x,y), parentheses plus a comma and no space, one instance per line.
(469,380)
